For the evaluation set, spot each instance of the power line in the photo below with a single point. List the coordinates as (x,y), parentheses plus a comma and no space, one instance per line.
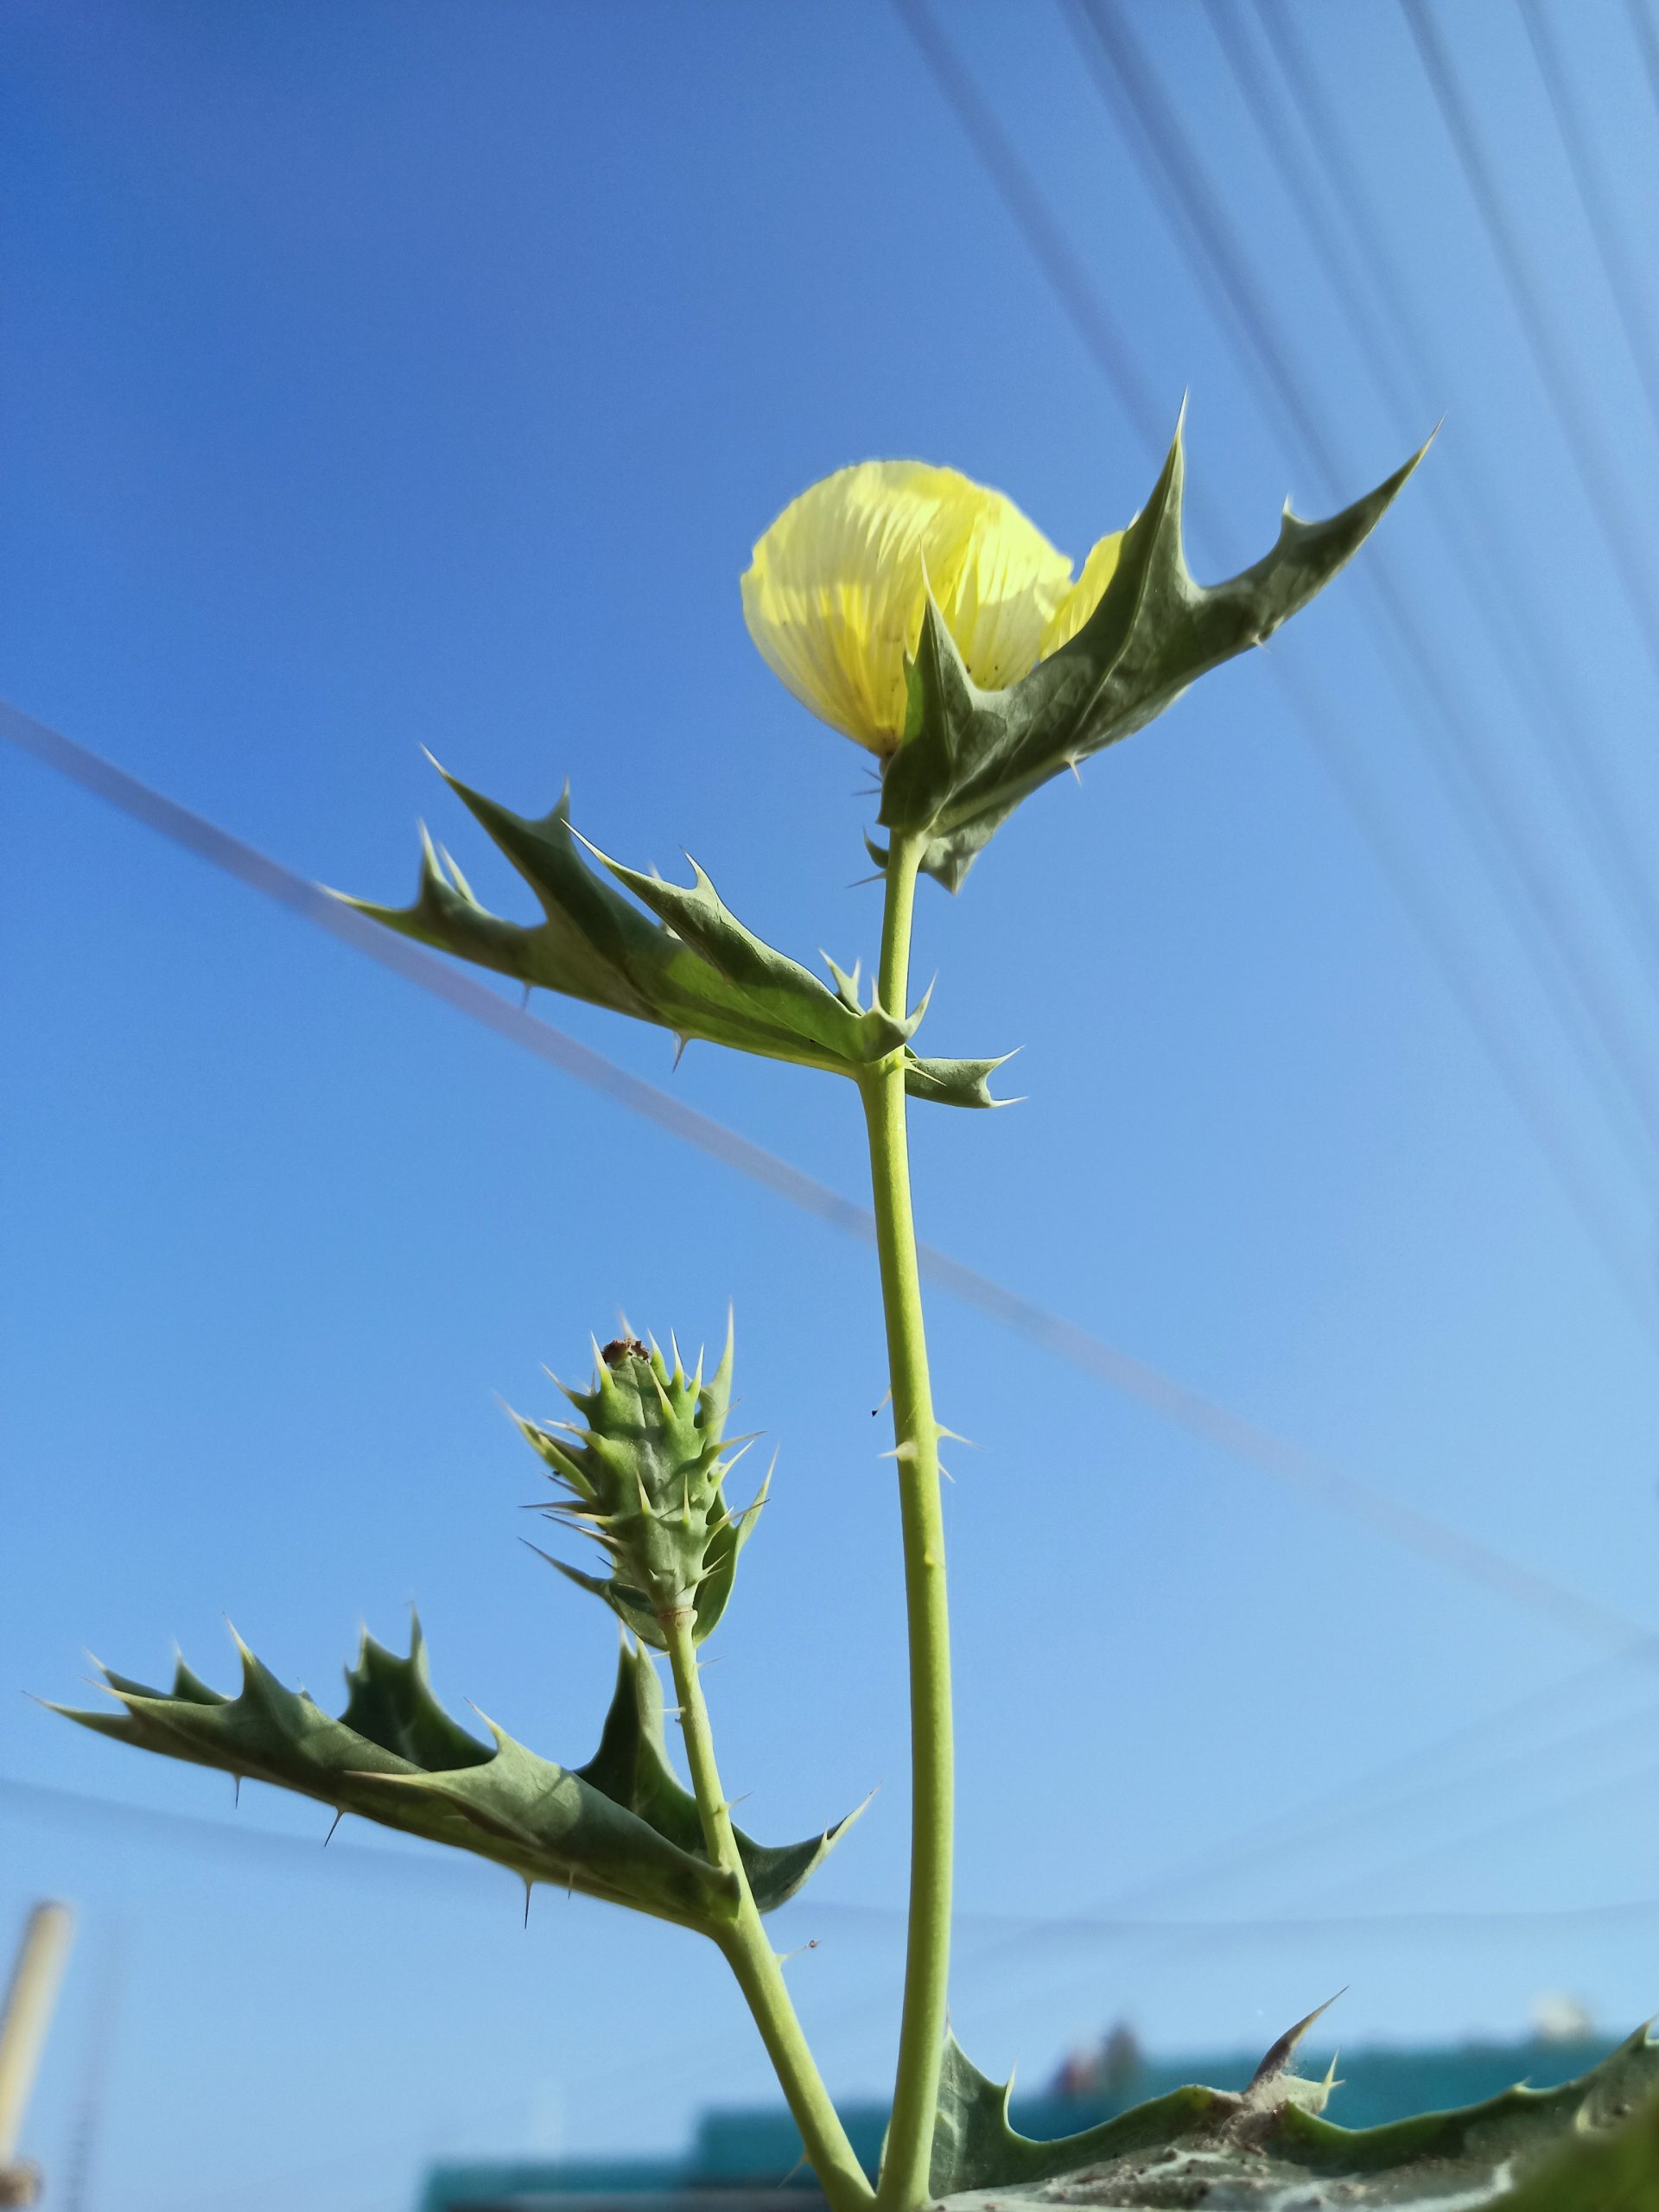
(44,1803)
(1626,281)
(461,991)
(1190,1410)
(1321,1820)
(1198,1415)
(1271,1843)
(1527,1821)
(376,1863)
(36,1799)
(1647,46)
(1034,218)
(1481,1839)
(1336,1811)
(1478,790)
(1637,576)
(1323,723)
(1468,499)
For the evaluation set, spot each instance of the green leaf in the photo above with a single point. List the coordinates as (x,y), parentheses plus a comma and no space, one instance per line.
(955,1083)
(631,1766)
(970,756)
(1269,2149)
(975,2147)
(688,964)
(1613,2172)
(617,1829)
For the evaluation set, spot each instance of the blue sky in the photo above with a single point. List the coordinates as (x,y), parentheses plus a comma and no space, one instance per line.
(383,377)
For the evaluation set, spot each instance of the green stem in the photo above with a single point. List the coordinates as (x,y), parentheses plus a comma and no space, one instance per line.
(748,1948)
(906,2166)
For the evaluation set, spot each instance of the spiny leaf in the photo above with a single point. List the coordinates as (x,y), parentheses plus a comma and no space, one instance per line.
(970,756)
(975,2147)
(1613,2172)
(688,965)
(1269,2149)
(631,1766)
(615,1829)
(956,1083)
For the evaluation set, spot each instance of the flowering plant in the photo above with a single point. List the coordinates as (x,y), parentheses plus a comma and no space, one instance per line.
(926,618)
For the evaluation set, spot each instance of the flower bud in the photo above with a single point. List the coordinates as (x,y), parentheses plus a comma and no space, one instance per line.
(644,1474)
(835,596)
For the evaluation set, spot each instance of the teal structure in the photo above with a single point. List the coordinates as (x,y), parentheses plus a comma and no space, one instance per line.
(749,2159)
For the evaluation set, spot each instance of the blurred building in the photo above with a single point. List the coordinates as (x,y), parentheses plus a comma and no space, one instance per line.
(752,2159)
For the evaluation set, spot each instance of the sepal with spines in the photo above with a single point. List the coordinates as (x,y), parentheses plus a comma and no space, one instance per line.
(621,1828)
(968,757)
(645,1477)
(687,964)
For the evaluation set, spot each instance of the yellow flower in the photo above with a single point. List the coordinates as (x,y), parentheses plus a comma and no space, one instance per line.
(835,596)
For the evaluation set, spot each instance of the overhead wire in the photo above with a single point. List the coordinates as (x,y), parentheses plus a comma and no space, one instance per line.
(1352,1802)
(1331,1813)
(1401,1781)
(1193,1411)
(1323,724)
(1637,572)
(1027,1936)
(1024,1936)
(1647,46)
(839,1209)
(1626,281)
(1320,186)
(1464,757)
(1274,1843)
(379,1864)
(669,2070)
(1200,1416)
(1026,1948)
(1187,1408)
(1276,1838)
(1074,285)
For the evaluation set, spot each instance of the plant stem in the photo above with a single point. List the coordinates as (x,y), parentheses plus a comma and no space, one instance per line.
(748,1948)
(904,2170)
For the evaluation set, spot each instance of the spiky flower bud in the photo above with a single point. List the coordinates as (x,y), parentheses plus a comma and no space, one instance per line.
(644,1474)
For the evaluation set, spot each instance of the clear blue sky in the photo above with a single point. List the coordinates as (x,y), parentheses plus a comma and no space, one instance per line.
(382,377)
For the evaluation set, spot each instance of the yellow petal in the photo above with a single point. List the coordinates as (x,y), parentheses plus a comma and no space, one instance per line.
(1085,596)
(835,596)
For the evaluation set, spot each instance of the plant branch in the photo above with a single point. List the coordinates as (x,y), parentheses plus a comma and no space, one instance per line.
(908,2158)
(748,1948)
